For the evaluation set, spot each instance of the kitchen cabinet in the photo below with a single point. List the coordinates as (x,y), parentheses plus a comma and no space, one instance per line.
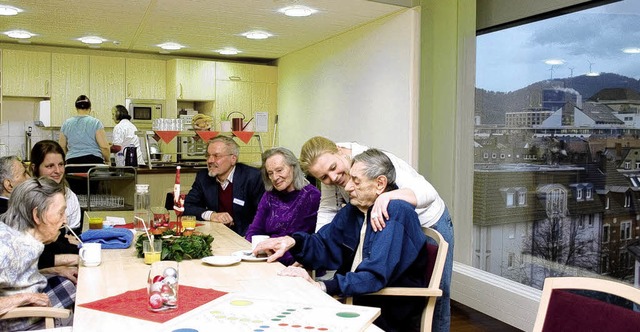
(193,79)
(26,73)
(107,86)
(69,79)
(146,78)
(228,71)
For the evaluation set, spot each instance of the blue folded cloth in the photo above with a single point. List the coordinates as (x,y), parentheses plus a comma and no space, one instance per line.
(111,238)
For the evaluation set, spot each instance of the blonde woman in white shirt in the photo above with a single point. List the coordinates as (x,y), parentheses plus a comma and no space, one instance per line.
(330,162)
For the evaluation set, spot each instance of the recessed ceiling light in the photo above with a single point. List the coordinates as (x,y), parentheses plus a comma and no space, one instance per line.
(92,40)
(257,34)
(19,34)
(170,46)
(554,62)
(298,11)
(631,50)
(228,51)
(9,11)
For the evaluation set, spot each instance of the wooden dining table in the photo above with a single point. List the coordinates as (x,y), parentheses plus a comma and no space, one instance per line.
(121,271)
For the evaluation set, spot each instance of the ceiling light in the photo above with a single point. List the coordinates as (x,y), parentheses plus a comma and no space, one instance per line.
(228,51)
(554,62)
(19,34)
(257,34)
(170,46)
(298,11)
(631,50)
(92,40)
(9,11)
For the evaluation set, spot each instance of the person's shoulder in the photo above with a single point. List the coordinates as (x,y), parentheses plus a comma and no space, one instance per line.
(247,168)
(311,189)
(400,206)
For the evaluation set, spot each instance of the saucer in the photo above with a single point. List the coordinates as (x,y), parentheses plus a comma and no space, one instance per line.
(221,260)
(246,255)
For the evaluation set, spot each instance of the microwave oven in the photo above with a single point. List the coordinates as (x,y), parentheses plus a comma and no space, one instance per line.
(144,113)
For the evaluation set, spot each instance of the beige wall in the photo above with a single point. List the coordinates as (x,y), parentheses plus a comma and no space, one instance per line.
(359,86)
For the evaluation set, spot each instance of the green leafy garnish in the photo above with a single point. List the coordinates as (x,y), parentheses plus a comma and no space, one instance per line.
(179,248)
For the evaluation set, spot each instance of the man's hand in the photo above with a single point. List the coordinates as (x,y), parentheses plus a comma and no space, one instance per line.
(223,218)
(294,271)
(275,247)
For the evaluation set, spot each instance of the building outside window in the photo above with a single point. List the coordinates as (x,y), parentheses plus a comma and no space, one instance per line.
(564,93)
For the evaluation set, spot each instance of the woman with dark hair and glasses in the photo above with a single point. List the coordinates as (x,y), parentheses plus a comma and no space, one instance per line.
(36,212)
(124,133)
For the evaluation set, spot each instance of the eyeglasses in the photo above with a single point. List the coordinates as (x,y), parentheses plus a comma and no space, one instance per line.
(217,156)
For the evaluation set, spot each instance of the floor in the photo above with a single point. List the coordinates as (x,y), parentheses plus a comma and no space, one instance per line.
(465,319)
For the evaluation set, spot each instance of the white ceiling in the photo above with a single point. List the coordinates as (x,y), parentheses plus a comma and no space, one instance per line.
(201,25)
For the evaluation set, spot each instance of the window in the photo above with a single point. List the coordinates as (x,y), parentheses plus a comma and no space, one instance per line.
(486,155)
(522,198)
(539,72)
(625,230)
(510,260)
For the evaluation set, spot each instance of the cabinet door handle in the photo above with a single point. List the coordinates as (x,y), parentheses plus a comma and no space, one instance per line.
(46,87)
(181,91)
(128,89)
(235,78)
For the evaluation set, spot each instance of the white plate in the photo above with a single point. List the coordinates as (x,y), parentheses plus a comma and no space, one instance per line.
(221,260)
(246,255)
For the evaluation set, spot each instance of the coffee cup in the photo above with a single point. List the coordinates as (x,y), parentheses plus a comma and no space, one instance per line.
(91,254)
(256,239)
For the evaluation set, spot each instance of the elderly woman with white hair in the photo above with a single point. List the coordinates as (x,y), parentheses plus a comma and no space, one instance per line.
(36,212)
(290,203)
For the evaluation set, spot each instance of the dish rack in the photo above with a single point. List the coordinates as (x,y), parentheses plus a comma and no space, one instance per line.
(108,188)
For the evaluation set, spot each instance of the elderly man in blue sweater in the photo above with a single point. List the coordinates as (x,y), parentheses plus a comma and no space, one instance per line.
(366,261)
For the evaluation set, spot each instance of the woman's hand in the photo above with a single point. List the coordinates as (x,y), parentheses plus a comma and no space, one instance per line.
(274,247)
(69,272)
(379,214)
(24,299)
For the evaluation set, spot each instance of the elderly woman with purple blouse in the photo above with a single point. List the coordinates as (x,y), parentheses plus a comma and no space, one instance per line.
(290,203)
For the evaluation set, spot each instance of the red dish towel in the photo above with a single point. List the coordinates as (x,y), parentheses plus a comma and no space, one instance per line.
(134,303)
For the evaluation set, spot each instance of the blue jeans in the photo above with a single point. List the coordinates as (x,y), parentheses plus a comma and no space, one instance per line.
(442,313)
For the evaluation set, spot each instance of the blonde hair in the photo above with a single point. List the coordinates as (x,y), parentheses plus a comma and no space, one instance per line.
(313,148)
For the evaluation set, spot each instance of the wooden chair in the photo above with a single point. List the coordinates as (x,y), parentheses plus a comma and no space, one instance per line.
(437,257)
(563,310)
(48,313)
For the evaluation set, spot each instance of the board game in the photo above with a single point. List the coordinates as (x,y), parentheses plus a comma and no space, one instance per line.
(234,312)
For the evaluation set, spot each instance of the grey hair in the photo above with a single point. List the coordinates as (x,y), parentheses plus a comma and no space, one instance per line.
(377,163)
(299,180)
(6,167)
(29,195)
(231,145)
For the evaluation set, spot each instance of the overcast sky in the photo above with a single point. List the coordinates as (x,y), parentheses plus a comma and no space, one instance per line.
(511,59)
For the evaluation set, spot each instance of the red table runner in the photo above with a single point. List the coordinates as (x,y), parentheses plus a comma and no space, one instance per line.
(134,303)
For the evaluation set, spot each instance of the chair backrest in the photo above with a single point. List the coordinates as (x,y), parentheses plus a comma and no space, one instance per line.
(435,267)
(48,313)
(563,310)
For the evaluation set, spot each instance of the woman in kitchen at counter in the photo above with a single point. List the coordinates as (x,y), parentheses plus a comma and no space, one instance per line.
(124,134)
(330,162)
(35,214)
(290,203)
(84,141)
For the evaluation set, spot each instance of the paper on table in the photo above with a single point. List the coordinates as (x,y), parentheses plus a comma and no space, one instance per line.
(112,221)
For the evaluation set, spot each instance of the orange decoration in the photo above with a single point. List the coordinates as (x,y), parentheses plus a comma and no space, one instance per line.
(244,136)
(207,135)
(168,135)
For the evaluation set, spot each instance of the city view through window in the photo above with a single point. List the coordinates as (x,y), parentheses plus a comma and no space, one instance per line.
(557,147)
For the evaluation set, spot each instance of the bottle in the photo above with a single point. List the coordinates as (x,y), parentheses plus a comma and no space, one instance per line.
(131,156)
(141,208)
(120,158)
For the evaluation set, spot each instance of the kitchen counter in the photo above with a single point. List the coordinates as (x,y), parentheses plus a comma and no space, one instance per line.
(170,169)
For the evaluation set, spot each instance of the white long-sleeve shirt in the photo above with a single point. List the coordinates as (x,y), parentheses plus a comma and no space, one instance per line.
(429,204)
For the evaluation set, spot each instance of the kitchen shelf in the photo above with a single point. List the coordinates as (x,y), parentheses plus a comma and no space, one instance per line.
(144,135)
(102,175)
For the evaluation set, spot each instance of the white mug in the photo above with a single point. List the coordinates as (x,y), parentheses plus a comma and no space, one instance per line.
(91,254)
(225,126)
(255,239)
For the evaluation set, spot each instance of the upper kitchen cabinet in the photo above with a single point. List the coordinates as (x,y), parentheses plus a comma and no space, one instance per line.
(26,73)
(146,79)
(228,71)
(69,79)
(194,79)
(107,86)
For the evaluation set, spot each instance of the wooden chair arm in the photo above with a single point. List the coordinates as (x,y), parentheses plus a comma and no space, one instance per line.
(36,312)
(408,291)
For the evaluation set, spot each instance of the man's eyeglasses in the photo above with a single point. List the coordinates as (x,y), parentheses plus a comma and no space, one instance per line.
(216,156)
